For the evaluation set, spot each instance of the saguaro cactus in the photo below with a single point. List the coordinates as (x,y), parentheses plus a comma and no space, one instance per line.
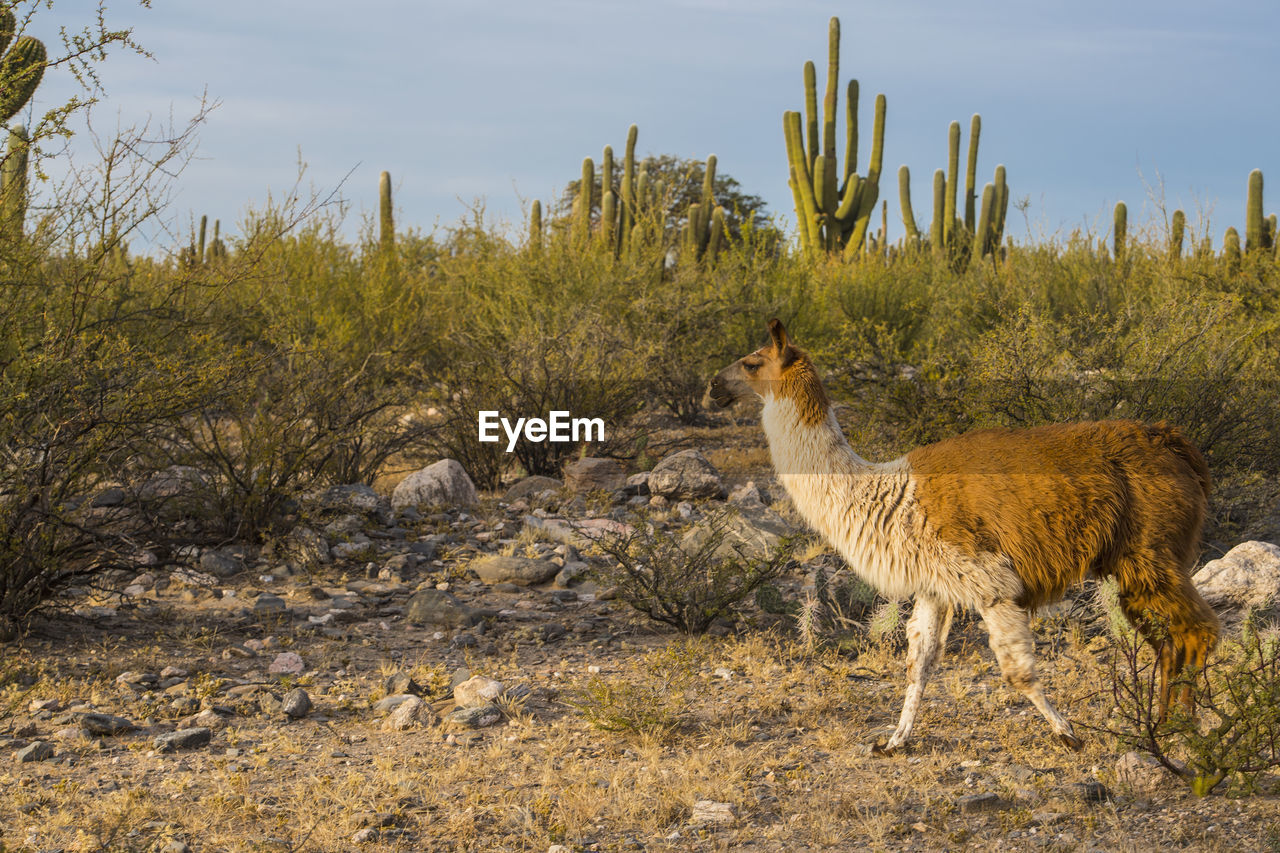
(1120,229)
(1177,228)
(1255,234)
(904,200)
(1231,250)
(386,220)
(13,186)
(22,66)
(535,224)
(833,204)
(582,205)
(704,232)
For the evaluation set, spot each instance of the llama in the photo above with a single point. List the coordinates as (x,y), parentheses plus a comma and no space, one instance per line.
(1000,521)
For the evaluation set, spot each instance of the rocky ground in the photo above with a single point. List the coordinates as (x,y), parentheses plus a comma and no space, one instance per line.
(433,669)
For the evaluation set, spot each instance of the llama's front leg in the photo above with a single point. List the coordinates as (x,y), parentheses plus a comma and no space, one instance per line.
(926,636)
(1009,629)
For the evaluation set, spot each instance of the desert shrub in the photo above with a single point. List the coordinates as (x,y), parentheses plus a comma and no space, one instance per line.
(650,700)
(686,581)
(1233,727)
(77,412)
(283,424)
(528,369)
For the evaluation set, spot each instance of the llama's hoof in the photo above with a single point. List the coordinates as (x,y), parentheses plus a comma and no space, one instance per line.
(882,749)
(1070,740)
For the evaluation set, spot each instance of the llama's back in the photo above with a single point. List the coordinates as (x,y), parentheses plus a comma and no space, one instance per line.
(1064,501)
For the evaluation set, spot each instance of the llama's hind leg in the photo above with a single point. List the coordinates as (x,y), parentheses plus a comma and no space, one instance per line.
(1009,629)
(926,636)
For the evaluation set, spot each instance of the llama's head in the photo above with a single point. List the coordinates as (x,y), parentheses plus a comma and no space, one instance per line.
(777,369)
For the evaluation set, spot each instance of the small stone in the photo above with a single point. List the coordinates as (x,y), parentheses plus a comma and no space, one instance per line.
(208,718)
(220,565)
(287,663)
(174,672)
(709,811)
(268,603)
(686,475)
(401,683)
(176,846)
(1143,773)
(412,713)
(437,607)
(975,803)
(105,724)
(476,718)
(522,571)
(183,739)
(1091,792)
(444,483)
(590,474)
(476,691)
(530,487)
(35,751)
(387,704)
(296,703)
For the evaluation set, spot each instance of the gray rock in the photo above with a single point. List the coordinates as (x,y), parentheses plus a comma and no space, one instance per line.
(580,533)
(387,704)
(571,573)
(637,484)
(400,683)
(268,603)
(686,475)
(306,548)
(105,724)
(35,751)
(355,497)
(975,803)
(412,713)
(754,533)
(476,691)
(183,739)
(1246,576)
(112,496)
(220,564)
(590,474)
(296,703)
(1143,774)
(522,571)
(428,547)
(437,607)
(749,495)
(444,483)
(479,717)
(358,548)
(176,481)
(531,486)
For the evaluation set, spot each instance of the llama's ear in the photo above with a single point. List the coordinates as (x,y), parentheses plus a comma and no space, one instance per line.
(778,334)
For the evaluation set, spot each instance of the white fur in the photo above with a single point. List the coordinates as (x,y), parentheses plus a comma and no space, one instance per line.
(869,513)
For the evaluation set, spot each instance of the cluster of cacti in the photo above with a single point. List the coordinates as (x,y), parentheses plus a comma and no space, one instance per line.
(22,64)
(627,213)
(1260,234)
(705,230)
(198,252)
(833,205)
(982,229)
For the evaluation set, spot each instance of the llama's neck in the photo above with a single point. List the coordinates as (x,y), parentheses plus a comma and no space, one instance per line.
(805,446)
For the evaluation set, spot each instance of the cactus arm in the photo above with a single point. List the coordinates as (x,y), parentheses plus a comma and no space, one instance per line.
(1176,231)
(953,168)
(851,130)
(904,201)
(971,174)
(1253,233)
(937,230)
(807,212)
(811,112)
(1120,232)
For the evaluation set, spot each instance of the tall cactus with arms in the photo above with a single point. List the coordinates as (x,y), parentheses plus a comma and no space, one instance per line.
(22,63)
(833,205)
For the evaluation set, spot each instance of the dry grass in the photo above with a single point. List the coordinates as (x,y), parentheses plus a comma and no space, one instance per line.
(775,731)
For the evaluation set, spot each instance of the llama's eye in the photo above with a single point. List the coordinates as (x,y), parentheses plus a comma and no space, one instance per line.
(751,368)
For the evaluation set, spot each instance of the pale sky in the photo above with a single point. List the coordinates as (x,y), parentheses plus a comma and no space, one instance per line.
(1085,102)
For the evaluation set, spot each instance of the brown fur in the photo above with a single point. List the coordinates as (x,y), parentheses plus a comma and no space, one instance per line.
(1112,499)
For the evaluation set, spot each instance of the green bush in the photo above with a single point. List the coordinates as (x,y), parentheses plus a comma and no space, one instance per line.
(686,581)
